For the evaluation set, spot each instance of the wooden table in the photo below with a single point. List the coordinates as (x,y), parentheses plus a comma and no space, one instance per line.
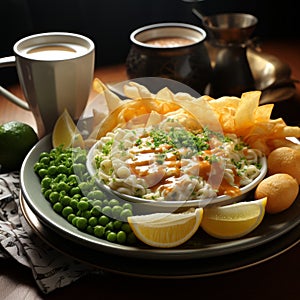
(276,278)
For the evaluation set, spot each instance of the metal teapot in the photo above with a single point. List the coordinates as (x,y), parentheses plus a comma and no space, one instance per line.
(229,37)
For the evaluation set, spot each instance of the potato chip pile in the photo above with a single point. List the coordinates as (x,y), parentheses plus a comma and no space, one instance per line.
(242,116)
(246,118)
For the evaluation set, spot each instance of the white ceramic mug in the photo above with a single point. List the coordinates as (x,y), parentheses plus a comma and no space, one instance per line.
(55,70)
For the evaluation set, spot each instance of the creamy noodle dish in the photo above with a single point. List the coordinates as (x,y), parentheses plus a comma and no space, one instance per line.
(168,162)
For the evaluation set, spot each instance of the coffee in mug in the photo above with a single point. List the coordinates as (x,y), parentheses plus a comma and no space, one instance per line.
(55,71)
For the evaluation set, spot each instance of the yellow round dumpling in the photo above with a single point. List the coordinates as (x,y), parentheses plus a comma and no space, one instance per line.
(281,191)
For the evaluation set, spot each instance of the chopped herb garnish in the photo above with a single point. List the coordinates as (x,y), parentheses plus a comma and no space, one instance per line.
(107,147)
(138,142)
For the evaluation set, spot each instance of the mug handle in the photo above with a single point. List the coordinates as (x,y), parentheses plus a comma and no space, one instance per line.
(10,61)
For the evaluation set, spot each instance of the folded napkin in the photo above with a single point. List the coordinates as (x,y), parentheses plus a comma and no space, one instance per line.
(50,268)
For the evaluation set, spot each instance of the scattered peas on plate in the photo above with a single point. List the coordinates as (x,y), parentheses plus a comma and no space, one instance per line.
(73,194)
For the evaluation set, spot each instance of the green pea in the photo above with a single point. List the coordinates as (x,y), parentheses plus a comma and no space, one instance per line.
(96,211)
(43,154)
(47,193)
(77,196)
(62,157)
(62,186)
(96,195)
(65,200)
(54,197)
(99,231)
(127,206)
(70,217)
(82,205)
(74,220)
(60,177)
(111,237)
(81,223)
(58,207)
(45,160)
(113,202)
(61,196)
(103,220)
(93,221)
(37,166)
(106,210)
(52,170)
(118,224)
(126,227)
(121,237)
(125,213)
(73,179)
(109,226)
(54,152)
(106,233)
(86,214)
(75,191)
(97,203)
(79,168)
(90,229)
(105,202)
(62,169)
(84,187)
(66,211)
(74,203)
(46,182)
(116,211)
(42,172)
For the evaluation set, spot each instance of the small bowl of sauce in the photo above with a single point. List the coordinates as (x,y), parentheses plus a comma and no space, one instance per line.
(170,50)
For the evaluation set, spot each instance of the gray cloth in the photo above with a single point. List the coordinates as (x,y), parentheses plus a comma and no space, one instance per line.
(50,268)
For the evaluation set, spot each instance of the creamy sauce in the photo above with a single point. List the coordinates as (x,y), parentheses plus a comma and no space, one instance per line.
(170,42)
(165,176)
(167,165)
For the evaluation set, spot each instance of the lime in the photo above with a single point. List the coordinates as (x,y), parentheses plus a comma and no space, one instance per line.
(16,139)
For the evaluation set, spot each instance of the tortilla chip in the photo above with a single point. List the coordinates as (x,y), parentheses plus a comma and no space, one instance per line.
(242,116)
(135,90)
(112,100)
(245,113)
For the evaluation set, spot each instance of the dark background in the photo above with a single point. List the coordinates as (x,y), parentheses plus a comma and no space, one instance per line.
(109,23)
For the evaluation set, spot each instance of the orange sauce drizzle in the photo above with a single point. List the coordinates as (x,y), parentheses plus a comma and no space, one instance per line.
(165,176)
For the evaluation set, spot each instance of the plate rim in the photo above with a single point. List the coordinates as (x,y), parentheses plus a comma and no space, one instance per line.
(239,261)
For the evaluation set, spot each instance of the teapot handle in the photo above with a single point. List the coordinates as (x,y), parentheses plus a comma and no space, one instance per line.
(10,61)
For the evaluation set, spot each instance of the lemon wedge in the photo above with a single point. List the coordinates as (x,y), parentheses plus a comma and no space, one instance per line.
(66,133)
(166,230)
(234,220)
